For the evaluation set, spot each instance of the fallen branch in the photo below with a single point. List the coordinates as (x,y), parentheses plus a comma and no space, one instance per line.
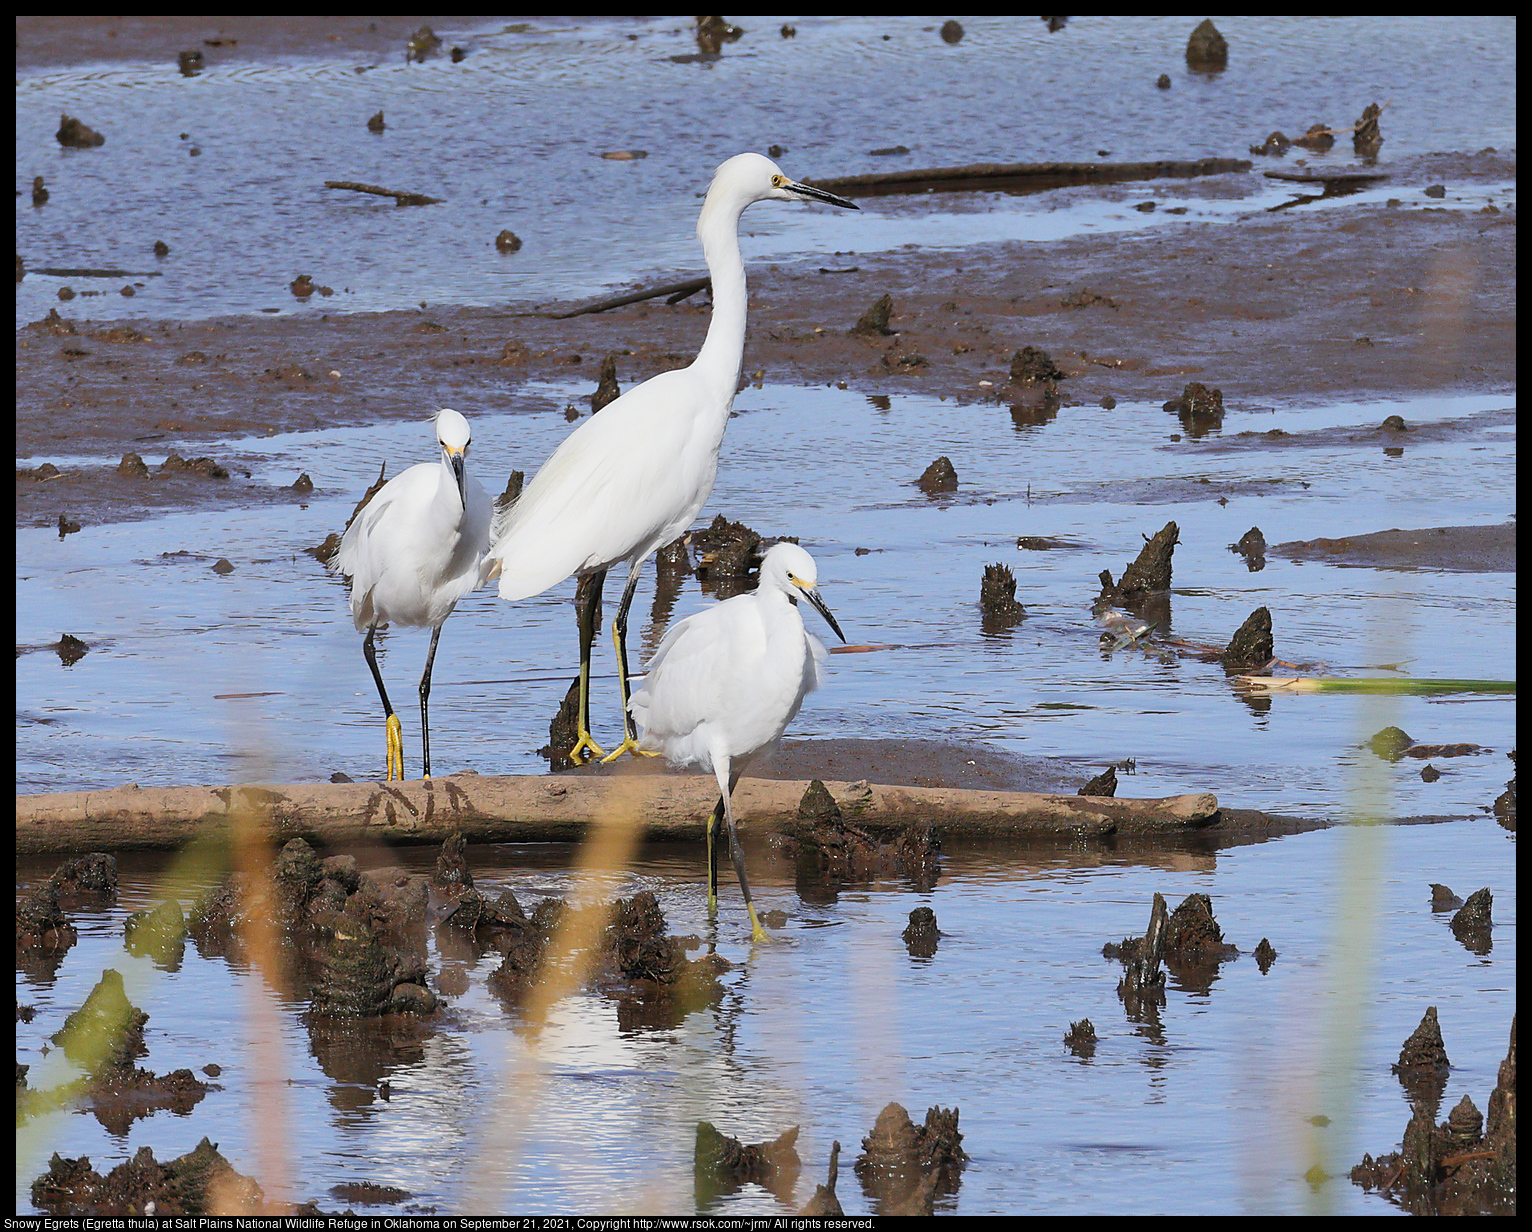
(400,198)
(677,291)
(523,808)
(1029,177)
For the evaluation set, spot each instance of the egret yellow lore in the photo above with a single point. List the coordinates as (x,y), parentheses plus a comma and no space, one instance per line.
(631,478)
(727,681)
(414,550)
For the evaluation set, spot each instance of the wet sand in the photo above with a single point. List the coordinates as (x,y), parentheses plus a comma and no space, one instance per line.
(1289,308)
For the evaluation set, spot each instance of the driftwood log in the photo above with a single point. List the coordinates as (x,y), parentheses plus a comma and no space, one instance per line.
(523,808)
(1026,177)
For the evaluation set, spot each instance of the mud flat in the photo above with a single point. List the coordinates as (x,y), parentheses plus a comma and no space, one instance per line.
(1281,309)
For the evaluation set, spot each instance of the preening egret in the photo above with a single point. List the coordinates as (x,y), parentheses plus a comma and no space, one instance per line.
(414,550)
(727,681)
(636,474)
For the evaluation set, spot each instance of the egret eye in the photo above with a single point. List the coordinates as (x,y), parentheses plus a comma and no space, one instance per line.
(778,180)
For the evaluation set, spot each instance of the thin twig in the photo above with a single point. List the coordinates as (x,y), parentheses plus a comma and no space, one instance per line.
(400,198)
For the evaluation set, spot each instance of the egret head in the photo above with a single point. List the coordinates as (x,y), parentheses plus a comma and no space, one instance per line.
(754,177)
(790,569)
(453,434)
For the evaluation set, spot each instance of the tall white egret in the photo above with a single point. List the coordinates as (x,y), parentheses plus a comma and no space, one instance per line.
(727,681)
(635,475)
(414,550)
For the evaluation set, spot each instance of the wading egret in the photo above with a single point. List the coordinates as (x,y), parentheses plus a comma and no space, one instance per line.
(636,474)
(727,681)
(413,551)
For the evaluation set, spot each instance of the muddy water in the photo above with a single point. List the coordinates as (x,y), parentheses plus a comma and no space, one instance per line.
(1208,1112)
(257,675)
(227,167)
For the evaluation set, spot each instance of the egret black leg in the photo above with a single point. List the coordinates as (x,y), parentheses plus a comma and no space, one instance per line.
(620,635)
(394,734)
(425,693)
(737,855)
(713,823)
(728,779)
(588,615)
(620,639)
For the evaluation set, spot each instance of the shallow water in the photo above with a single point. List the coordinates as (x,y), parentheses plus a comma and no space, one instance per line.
(1208,1113)
(511,137)
(258,676)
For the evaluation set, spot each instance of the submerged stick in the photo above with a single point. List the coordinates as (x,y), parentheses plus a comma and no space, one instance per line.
(523,808)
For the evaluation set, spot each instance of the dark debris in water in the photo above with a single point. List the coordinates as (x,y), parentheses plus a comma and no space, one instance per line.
(1464,1166)
(1081,1039)
(563,730)
(1252,645)
(903,1167)
(1199,409)
(104,1037)
(369,1193)
(1252,546)
(1144,583)
(1423,1066)
(824,1202)
(830,852)
(43,932)
(722,1165)
(1104,784)
(1472,924)
(728,556)
(1033,365)
(201,1182)
(997,599)
(159,934)
(1206,50)
(939,477)
(921,935)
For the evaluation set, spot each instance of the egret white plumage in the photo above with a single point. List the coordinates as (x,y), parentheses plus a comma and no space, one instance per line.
(411,553)
(727,681)
(635,475)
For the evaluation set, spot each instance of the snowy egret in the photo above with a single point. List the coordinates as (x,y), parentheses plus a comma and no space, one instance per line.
(635,475)
(413,551)
(727,681)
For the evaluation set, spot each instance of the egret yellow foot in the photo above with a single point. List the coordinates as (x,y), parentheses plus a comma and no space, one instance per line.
(628,745)
(584,749)
(395,748)
(757,933)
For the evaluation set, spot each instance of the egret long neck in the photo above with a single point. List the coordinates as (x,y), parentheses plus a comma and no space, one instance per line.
(719,360)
